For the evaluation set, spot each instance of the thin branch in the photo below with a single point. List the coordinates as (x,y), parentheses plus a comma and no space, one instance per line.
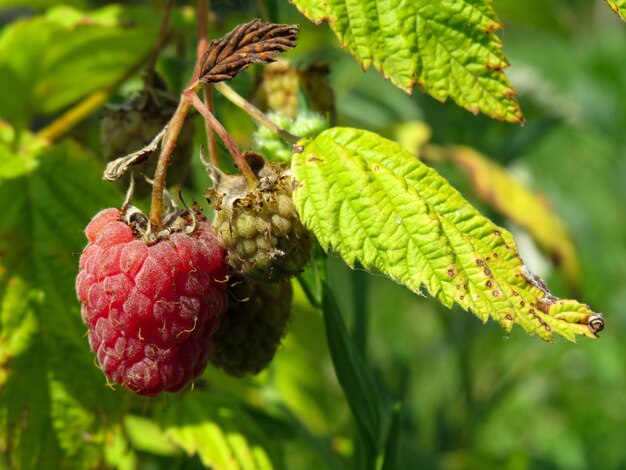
(202,9)
(254,112)
(167,12)
(208,98)
(226,138)
(172,132)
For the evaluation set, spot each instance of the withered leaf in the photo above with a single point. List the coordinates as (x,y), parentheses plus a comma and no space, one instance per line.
(255,42)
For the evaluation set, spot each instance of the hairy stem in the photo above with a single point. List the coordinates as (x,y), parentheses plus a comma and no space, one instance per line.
(226,138)
(208,99)
(167,12)
(202,8)
(174,126)
(254,112)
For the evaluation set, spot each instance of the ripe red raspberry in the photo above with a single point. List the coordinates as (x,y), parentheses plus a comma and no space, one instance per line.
(151,309)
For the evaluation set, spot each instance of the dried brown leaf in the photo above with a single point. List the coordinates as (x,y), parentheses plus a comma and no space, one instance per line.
(256,42)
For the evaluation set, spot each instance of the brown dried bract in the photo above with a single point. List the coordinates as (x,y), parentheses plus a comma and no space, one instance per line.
(256,42)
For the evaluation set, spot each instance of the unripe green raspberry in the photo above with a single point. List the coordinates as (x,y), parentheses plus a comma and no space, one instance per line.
(252,327)
(278,89)
(259,227)
(130,126)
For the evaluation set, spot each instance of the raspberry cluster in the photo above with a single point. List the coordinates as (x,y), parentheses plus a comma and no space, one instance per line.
(151,310)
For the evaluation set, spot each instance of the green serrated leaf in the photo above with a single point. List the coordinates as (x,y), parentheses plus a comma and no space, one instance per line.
(221,432)
(446,47)
(371,200)
(502,191)
(62,58)
(53,397)
(618,6)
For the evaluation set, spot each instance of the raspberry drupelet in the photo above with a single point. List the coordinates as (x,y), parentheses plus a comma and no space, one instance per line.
(151,308)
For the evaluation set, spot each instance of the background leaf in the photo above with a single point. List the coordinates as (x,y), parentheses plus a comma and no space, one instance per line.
(52,395)
(446,47)
(353,374)
(62,58)
(222,434)
(371,200)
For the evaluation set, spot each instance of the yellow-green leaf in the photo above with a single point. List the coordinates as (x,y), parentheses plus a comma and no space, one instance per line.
(498,188)
(370,200)
(220,431)
(618,6)
(447,47)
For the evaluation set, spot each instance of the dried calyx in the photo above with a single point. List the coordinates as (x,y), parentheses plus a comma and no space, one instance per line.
(175,220)
(259,226)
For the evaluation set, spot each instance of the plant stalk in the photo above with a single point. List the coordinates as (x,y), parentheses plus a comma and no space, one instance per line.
(167,13)
(174,126)
(254,112)
(202,8)
(226,138)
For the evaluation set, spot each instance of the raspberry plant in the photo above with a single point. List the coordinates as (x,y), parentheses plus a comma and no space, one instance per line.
(217,312)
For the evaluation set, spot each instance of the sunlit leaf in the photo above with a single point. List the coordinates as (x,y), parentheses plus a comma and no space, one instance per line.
(498,188)
(618,6)
(62,58)
(52,394)
(222,434)
(370,200)
(447,47)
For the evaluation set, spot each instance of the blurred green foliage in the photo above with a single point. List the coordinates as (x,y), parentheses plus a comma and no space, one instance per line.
(470,398)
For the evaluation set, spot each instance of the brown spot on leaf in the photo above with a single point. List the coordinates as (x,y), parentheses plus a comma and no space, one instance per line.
(495,293)
(451,272)
(487,272)
(497,233)
(480,262)
(488,283)
(522,303)
(543,307)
